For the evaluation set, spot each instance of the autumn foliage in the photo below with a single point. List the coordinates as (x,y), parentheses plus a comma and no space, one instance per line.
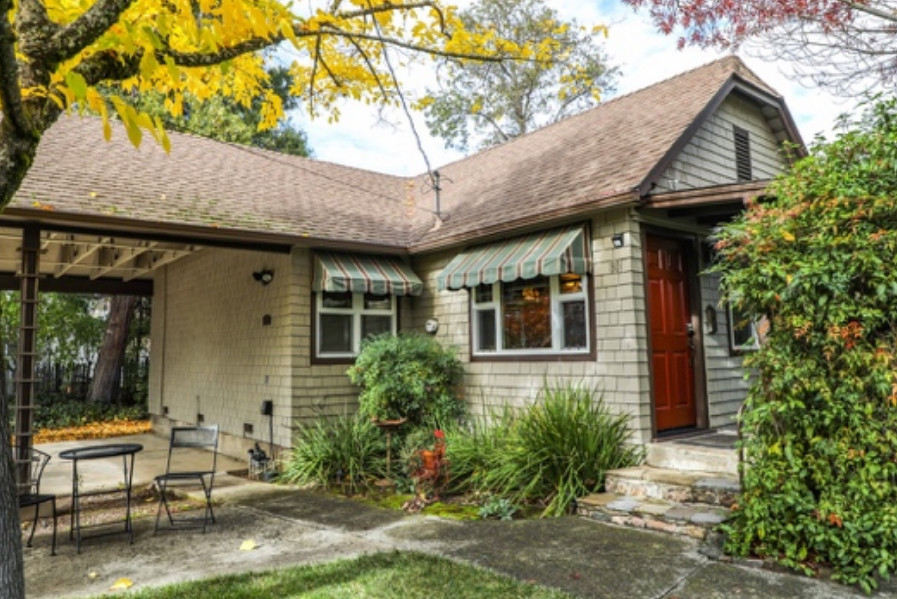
(817,259)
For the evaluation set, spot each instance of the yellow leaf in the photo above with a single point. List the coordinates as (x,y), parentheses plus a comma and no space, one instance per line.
(788,236)
(248,545)
(93,575)
(121,584)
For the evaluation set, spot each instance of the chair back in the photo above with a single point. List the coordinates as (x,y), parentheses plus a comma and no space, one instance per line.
(192,437)
(31,462)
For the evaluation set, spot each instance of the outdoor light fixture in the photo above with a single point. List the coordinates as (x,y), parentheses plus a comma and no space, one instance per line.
(618,240)
(263,276)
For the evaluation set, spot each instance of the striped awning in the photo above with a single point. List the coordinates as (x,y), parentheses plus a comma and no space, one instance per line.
(548,253)
(364,274)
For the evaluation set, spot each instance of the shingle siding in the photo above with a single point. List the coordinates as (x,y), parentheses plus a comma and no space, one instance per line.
(709,158)
(620,369)
(212,354)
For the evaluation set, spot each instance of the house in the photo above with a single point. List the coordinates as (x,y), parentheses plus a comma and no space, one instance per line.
(574,253)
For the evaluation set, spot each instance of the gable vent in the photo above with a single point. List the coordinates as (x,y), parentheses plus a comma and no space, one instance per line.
(742,154)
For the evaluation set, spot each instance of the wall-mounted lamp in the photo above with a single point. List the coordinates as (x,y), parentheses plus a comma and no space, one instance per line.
(263,276)
(618,239)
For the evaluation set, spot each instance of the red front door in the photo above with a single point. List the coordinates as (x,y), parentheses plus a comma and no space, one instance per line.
(672,350)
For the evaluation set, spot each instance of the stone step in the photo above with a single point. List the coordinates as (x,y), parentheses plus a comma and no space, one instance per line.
(678,486)
(692,520)
(688,457)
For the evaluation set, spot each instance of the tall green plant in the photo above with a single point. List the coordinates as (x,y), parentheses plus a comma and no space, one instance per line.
(347,450)
(558,450)
(817,260)
(408,376)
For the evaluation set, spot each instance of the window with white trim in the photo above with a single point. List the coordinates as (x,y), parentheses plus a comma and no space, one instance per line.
(744,332)
(544,315)
(344,319)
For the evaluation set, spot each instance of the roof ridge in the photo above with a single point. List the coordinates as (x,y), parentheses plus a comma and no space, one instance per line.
(735,68)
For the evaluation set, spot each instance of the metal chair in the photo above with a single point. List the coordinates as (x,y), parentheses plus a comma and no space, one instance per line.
(180,472)
(30,495)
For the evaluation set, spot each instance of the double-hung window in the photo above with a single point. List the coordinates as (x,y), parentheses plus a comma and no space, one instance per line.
(345,319)
(544,315)
(356,297)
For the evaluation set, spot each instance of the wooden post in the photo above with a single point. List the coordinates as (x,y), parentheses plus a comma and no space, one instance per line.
(24,411)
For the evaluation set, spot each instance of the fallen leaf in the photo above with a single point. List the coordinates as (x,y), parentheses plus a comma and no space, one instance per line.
(93,575)
(248,545)
(121,584)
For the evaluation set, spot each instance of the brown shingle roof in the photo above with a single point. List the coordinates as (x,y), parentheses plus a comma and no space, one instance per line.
(596,157)
(592,159)
(203,183)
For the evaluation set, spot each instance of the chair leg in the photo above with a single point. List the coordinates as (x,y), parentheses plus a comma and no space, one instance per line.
(161,486)
(33,524)
(53,550)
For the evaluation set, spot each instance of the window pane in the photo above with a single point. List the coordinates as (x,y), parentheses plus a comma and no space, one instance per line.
(336,300)
(742,329)
(483,294)
(574,325)
(485,323)
(336,333)
(377,302)
(375,325)
(526,306)
(571,283)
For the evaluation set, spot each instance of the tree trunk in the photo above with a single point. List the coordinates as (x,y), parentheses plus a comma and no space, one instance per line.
(112,351)
(12,566)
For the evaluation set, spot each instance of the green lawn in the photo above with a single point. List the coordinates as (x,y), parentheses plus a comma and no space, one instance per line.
(383,575)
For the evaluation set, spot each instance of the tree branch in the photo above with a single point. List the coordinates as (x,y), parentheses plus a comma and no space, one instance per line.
(85,30)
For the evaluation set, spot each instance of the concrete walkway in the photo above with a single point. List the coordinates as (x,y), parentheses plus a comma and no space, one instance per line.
(291,526)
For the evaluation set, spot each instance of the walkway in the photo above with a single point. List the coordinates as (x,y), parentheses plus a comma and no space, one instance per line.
(291,527)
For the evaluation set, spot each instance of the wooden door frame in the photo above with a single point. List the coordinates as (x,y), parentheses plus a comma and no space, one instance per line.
(691,245)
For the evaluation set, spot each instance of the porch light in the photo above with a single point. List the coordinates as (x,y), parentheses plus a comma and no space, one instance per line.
(263,276)
(618,240)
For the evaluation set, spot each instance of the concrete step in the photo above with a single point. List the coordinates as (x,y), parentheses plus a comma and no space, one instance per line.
(692,520)
(695,458)
(678,486)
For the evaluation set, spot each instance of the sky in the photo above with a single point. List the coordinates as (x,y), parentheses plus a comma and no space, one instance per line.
(363,139)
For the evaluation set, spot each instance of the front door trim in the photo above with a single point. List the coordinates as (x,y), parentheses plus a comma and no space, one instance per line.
(691,244)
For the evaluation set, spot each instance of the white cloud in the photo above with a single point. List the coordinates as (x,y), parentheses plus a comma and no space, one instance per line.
(644,56)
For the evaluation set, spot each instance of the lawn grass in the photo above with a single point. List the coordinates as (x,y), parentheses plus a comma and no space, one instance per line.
(402,575)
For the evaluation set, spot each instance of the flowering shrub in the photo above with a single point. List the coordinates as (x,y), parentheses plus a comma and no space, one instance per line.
(820,482)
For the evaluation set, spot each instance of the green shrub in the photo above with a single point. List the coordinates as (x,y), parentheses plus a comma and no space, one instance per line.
(408,376)
(497,508)
(348,450)
(559,449)
(549,454)
(817,259)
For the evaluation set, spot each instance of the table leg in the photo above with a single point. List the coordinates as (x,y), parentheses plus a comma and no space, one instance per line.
(76,507)
(129,476)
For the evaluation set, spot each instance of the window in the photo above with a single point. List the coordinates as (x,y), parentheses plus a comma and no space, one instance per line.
(744,334)
(743,171)
(534,316)
(344,319)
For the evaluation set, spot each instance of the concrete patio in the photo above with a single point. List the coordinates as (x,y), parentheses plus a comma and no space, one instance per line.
(107,473)
(290,526)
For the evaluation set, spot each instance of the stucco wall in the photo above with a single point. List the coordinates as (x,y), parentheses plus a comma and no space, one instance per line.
(211,353)
(620,368)
(709,158)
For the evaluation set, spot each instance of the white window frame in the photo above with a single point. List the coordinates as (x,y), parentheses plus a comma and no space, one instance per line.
(357,311)
(753,344)
(557,321)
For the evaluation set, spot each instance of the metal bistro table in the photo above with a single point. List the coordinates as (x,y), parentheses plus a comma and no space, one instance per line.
(97,452)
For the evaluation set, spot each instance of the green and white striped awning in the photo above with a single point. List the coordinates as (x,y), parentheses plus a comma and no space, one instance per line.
(548,253)
(364,274)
